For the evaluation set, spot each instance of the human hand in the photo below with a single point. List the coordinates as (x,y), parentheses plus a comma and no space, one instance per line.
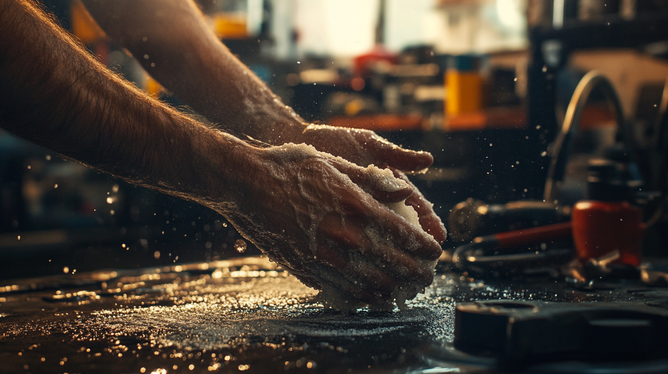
(363,147)
(429,221)
(323,219)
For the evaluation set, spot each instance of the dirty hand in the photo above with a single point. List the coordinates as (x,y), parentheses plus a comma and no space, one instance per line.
(323,218)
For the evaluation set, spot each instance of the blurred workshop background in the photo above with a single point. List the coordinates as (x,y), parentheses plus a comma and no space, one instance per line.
(484,85)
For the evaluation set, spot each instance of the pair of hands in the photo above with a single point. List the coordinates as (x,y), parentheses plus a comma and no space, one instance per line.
(323,217)
(320,216)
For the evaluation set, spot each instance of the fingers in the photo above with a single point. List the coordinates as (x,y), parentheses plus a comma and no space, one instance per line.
(430,222)
(364,147)
(398,233)
(336,242)
(376,226)
(377,181)
(381,225)
(391,155)
(359,246)
(338,239)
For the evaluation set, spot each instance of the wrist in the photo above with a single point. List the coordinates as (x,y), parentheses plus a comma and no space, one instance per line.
(212,173)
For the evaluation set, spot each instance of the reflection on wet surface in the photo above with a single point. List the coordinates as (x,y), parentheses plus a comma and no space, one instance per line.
(240,315)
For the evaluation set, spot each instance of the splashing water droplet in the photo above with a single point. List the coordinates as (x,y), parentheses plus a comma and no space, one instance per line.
(240,245)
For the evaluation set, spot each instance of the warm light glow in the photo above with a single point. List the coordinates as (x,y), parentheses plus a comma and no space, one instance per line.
(510,13)
(583,205)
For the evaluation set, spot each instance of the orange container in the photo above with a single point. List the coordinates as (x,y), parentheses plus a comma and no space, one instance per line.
(600,227)
(463,92)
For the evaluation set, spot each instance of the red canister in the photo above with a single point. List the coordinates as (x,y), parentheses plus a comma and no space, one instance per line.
(607,221)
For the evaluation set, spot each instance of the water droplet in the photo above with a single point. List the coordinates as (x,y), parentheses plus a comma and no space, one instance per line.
(240,245)
(156,255)
(48,157)
(55,185)
(110,200)
(146,57)
(66,270)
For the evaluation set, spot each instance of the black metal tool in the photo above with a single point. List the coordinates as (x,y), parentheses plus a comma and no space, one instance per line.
(522,332)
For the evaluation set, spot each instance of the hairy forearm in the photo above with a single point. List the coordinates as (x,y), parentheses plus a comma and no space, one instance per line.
(55,94)
(175,45)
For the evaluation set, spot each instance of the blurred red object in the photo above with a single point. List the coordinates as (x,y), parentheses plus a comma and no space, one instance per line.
(363,64)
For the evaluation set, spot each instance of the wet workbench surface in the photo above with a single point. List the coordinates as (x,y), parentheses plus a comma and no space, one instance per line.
(241,315)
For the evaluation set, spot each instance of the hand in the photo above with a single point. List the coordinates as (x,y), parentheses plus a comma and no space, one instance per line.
(323,219)
(363,147)
(430,222)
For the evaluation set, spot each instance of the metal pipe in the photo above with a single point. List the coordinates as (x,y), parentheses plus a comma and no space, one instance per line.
(563,143)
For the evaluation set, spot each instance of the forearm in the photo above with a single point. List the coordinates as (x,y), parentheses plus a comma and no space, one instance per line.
(175,45)
(55,94)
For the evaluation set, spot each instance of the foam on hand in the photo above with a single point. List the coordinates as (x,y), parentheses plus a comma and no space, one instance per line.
(329,279)
(405,211)
(386,181)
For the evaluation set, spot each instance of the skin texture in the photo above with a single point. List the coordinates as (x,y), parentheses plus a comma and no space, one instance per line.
(311,212)
(186,57)
(176,47)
